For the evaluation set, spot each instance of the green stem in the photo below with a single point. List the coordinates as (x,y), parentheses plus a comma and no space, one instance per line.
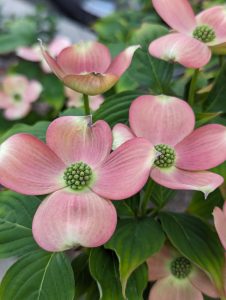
(86,104)
(147,195)
(191,96)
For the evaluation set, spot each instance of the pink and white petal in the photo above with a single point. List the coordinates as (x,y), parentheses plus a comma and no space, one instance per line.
(185,50)
(178,179)
(5,100)
(203,283)
(65,220)
(203,149)
(33,91)
(58,44)
(29,167)
(31,54)
(178,14)
(15,84)
(90,84)
(215,17)
(17,111)
(95,102)
(161,119)
(85,57)
(121,134)
(45,67)
(122,61)
(220,224)
(159,264)
(125,171)
(74,139)
(170,288)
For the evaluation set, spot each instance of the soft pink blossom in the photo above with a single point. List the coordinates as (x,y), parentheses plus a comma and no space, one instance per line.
(88,68)
(34,53)
(177,278)
(220,224)
(75,100)
(76,168)
(168,123)
(17,94)
(193,36)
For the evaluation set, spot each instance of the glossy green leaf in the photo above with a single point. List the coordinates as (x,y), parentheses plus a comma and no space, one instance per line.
(39,276)
(38,130)
(202,207)
(134,241)
(216,98)
(115,109)
(161,195)
(197,241)
(16,214)
(104,269)
(221,170)
(85,285)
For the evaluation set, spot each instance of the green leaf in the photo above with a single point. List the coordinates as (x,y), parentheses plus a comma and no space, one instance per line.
(77,111)
(134,241)
(104,269)
(202,207)
(39,276)
(161,195)
(152,74)
(38,130)
(216,98)
(84,283)
(147,33)
(197,241)
(115,108)
(221,170)
(16,214)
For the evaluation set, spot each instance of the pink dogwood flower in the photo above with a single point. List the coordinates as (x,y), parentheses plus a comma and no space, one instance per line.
(17,94)
(76,168)
(75,100)
(186,154)
(34,53)
(88,68)
(193,36)
(220,224)
(177,277)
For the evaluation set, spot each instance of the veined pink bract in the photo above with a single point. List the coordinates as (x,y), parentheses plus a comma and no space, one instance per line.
(220,223)
(76,168)
(193,36)
(186,154)
(88,68)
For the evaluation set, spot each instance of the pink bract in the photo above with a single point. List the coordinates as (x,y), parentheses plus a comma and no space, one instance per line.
(75,99)
(220,223)
(170,285)
(195,35)
(34,53)
(186,153)
(76,168)
(17,94)
(88,68)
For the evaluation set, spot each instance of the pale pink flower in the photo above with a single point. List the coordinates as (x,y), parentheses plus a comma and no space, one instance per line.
(168,123)
(177,278)
(193,36)
(75,99)
(17,94)
(88,68)
(220,224)
(76,168)
(34,53)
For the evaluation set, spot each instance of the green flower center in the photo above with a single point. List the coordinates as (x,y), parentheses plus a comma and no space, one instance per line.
(78,176)
(181,267)
(167,157)
(17,97)
(204,34)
